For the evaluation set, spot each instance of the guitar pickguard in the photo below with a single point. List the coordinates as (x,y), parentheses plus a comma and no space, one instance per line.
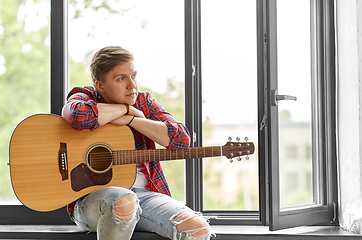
(82,177)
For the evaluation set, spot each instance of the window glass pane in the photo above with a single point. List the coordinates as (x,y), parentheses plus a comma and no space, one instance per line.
(24,74)
(295,117)
(229,90)
(154,32)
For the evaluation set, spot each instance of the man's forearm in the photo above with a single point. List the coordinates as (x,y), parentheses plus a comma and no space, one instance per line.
(109,112)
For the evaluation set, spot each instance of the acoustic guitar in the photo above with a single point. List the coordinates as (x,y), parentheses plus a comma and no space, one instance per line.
(52,165)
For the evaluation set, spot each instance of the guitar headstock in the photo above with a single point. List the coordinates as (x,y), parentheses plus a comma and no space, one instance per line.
(237,149)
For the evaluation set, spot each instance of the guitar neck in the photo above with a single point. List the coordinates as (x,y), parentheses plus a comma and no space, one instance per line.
(152,155)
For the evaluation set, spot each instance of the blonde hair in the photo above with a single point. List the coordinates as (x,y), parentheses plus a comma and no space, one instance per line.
(106,59)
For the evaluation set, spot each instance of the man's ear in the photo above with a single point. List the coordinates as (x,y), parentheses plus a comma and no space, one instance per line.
(99,86)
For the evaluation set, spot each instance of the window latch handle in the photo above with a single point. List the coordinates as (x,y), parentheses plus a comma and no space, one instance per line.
(276,97)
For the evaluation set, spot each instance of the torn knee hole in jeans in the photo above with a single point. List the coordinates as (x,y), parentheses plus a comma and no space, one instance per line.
(192,223)
(124,208)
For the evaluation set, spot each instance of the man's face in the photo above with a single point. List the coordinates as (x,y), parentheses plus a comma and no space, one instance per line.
(120,84)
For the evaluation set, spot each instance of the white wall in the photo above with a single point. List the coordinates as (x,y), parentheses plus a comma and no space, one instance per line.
(349,60)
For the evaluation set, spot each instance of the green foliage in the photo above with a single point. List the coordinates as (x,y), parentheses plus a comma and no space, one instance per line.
(175,174)
(172,100)
(24,79)
(79,76)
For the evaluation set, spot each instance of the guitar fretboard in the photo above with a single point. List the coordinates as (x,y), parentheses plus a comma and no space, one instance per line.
(141,156)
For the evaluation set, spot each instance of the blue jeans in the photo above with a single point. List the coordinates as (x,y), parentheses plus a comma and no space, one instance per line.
(155,213)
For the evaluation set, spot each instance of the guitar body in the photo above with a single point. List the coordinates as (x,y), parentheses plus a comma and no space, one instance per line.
(50,162)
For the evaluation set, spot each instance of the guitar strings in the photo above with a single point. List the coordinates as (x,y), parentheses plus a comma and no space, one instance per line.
(150,154)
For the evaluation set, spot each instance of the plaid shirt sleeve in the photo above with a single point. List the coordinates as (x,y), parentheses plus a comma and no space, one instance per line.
(80,110)
(178,133)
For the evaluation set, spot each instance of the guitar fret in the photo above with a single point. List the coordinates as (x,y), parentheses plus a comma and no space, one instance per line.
(147,156)
(167,154)
(178,153)
(162,154)
(200,154)
(192,152)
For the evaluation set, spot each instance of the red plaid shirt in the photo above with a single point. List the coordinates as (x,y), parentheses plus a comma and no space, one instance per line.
(81,112)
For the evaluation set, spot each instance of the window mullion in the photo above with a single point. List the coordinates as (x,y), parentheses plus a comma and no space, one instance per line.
(193,101)
(59,54)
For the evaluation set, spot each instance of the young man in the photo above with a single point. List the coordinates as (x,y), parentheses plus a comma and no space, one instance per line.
(114,212)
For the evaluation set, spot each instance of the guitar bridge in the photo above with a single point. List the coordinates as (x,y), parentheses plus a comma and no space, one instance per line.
(63,161)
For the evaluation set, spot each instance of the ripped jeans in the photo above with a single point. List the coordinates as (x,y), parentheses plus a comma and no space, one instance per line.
(154,212)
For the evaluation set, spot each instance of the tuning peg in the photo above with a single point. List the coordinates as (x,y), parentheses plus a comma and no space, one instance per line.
(238,138)
(247,158)
(238,158)
(246,140)
(230,138)
(231,160)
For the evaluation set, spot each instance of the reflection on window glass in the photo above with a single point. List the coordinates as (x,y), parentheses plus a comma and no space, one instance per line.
(154,32)
(24,73)
(229,90)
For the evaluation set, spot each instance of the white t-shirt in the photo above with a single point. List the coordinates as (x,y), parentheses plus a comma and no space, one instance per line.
(141,180)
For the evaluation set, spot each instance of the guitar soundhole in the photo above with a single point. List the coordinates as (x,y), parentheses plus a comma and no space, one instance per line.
(100,159)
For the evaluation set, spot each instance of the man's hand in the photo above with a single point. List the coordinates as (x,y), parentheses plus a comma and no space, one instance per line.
(135,112)
(125,119)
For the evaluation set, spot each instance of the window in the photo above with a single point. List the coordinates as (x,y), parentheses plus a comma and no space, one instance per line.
(290,179)
(24,74)
(28,63)
(229,102)
(153,35)
(297,50)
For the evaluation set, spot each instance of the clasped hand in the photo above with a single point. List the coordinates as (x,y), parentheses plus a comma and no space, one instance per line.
(125,119)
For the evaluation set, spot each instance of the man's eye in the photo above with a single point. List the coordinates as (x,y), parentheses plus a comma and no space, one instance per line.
(134,76)
(121,79)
